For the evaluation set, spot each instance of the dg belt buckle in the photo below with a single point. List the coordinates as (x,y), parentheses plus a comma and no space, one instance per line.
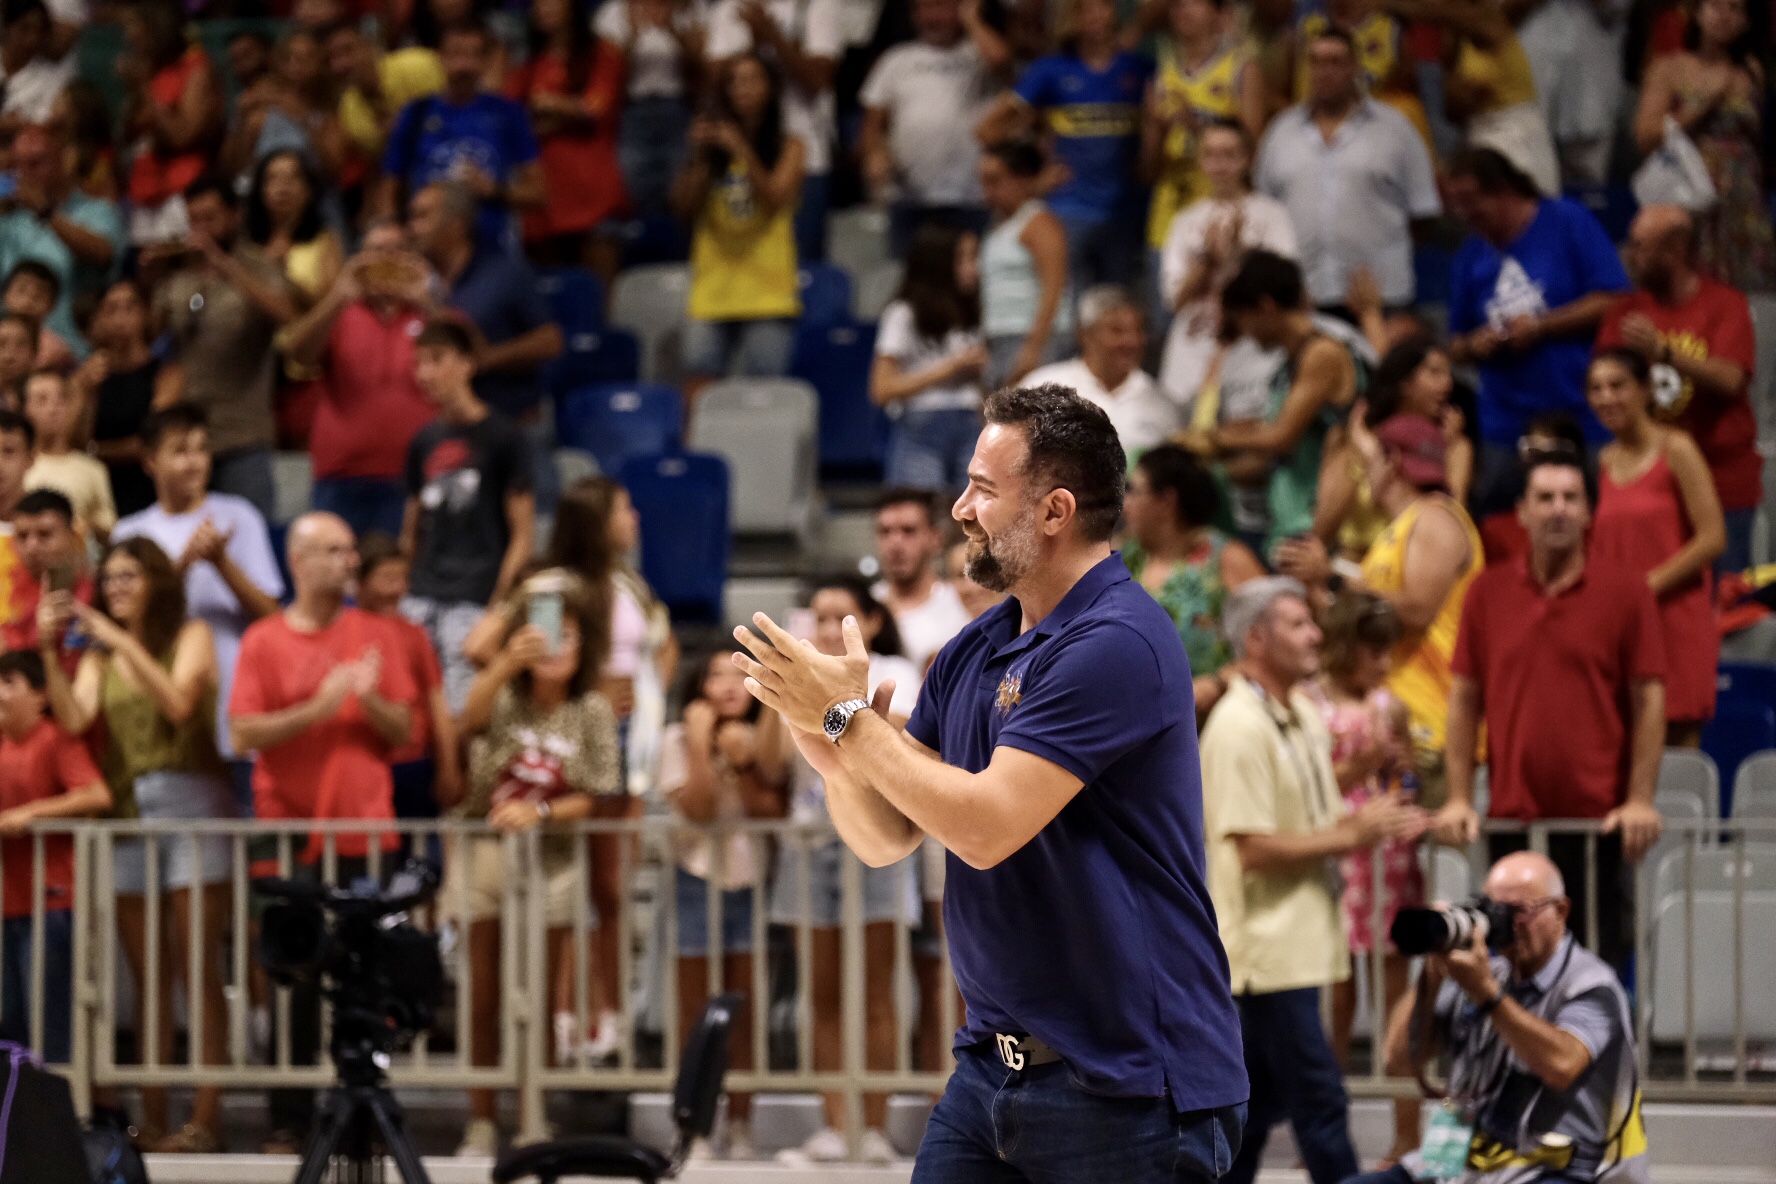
(1023,1052)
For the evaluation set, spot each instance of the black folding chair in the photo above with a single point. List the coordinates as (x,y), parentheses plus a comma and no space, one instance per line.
(695,1096)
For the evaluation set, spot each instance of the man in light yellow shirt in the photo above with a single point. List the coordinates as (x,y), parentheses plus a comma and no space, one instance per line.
(1274,821)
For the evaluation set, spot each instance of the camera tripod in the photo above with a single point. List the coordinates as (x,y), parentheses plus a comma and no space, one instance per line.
(358,1119)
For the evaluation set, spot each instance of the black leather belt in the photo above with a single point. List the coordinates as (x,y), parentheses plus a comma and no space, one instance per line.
(1022,1052)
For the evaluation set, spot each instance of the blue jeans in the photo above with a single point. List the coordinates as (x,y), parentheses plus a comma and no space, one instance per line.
(1294,1076)
(1737,556)
(246,473)
(931,449)
(1105,251)
(57,979)
(651,148)
(739,349)
(366,503)
(1399,1175)
(810,218)
(994,1124)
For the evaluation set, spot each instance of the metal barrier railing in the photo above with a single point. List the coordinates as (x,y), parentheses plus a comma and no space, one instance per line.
(1705,897)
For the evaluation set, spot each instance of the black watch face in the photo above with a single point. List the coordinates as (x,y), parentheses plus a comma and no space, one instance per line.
(833,723)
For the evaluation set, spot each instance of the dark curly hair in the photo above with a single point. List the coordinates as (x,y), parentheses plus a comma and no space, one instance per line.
(1072,445)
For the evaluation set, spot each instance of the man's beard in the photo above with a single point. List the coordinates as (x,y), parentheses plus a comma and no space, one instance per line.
(996,565)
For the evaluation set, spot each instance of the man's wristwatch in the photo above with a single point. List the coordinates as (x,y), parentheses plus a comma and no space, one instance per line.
(1491,1005)
(838,717)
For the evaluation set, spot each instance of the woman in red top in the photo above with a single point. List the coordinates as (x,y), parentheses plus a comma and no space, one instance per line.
(174,116)
(573,87)
(1658,514)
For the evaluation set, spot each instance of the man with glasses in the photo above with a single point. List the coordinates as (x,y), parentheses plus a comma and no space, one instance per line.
(1562,658)
(1541,1079)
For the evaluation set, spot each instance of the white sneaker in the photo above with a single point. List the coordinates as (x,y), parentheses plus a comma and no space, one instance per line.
(739,1142)
(607,1038)
(480,1139)
(567,1043)
(823,1146)
(875,1150)
(701,1152)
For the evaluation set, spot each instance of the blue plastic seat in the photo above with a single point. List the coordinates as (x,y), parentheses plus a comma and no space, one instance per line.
(826,295)
(682,498)
(1744,719)
(576,299)
(835,360)
(594,356)
(615,421)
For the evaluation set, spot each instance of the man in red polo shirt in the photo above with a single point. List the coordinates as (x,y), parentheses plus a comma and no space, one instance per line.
(361,336)
(1697,334)
(1562,658)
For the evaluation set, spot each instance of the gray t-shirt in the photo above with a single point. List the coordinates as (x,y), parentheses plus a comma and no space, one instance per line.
(932,95)
(224,342)
(1577,992)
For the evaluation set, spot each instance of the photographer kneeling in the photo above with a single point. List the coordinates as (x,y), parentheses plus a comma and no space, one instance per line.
(1542,1082)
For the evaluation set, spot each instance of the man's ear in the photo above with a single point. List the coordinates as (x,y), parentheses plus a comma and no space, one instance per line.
(1059,507)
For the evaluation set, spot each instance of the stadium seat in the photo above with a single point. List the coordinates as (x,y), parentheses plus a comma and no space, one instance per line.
(1744,717)
(1687,771)
(682,499)
(607,355)
(835,361)
(857,239)
(1714,946)
(767,429)
(1754,787)
(650,303)
(576,299)
(826,295)
(1450,875)
(1716,869)
(876,289)
(616,421)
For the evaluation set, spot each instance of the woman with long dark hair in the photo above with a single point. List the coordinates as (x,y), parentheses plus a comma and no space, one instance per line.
(1658,514)
(543,751)
(739,191)
(573,87)
(1715,91)
(929,362)
(151,680)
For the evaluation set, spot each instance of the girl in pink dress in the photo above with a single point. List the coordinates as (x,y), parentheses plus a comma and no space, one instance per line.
(1372,754)
(1658,514)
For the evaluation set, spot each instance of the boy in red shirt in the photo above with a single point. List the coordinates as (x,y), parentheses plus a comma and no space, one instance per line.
(44,773)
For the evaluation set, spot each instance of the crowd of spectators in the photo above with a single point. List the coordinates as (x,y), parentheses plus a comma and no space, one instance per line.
(326,235)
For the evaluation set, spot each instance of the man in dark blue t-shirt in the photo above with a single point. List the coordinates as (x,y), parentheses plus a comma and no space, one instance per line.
(465,134)
(1053,753)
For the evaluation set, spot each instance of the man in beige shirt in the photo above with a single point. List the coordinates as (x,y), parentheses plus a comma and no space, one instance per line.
(1274,821)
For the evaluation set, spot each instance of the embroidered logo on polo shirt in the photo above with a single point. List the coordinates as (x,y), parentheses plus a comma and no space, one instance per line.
(1011,693)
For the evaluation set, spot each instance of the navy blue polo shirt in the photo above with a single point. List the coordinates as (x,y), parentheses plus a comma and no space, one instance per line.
(1098,937)
(499,292)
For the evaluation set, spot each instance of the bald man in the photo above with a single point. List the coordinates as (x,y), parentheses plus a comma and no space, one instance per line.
(321,699)
(1540,1044)
(1697,335)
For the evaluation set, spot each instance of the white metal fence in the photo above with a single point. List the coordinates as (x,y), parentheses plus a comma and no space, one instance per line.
(1703,906)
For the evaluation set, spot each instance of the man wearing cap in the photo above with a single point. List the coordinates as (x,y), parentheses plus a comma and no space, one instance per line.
(1421,564)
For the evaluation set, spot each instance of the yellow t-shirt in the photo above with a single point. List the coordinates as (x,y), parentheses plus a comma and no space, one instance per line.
(1212,92)
(406,75)
(1422,677)
(81,479)
(743,259)
(1267,769)
(1503,70)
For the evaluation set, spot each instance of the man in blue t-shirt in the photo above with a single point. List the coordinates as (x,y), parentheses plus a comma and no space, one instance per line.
(1087,100)
(1053,754)
(1529,288)
(483,141)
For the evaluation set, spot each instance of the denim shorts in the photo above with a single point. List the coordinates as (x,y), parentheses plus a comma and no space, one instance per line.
(889,893)
(691,894)
(180,860)
(738,349)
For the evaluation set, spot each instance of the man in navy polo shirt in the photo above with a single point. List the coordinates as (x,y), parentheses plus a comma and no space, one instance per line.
(1053,753)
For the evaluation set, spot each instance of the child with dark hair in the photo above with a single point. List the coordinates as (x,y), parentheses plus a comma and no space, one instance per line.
(44,774)
(53,407)
(33,290)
